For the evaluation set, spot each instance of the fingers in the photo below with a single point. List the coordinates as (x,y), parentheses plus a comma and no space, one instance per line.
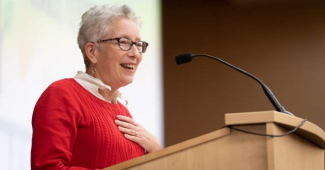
(127,126)
(124,124)
(128,131)
(127,119)
(131,134)
(132,138)
(136,133)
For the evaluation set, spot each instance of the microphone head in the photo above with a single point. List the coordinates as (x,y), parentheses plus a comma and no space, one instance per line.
(184,58)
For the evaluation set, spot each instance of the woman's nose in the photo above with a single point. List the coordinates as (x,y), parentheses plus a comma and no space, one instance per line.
(134,50)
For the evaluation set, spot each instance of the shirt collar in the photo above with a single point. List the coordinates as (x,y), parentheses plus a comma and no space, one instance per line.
(93,84)
(92,80)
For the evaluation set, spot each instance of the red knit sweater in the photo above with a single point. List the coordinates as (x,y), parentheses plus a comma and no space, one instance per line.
(73,129)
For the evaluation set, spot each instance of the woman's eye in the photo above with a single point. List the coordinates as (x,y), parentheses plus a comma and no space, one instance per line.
(123,42)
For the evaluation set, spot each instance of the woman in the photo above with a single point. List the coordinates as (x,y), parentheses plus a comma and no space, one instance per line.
(80,122)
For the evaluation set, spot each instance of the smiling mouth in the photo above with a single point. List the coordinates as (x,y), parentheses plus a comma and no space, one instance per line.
(128,66)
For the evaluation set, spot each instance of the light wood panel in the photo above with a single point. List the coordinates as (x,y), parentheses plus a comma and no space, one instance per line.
(246,151)
(231,149)
(292,151)
(308,130)
(172,149)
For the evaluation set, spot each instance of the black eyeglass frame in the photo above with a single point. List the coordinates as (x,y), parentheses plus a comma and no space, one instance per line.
(144,44)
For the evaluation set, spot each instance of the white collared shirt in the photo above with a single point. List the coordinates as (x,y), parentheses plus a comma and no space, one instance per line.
(93,85)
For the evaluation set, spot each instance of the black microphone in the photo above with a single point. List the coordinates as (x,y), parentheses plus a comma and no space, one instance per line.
(187,57)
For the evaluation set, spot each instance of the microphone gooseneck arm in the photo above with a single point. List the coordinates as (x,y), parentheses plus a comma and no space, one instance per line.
(276,104)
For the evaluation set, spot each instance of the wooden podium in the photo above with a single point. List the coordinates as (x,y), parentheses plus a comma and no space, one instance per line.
(227,149)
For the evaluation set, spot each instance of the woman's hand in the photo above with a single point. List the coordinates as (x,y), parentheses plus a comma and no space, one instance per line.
(136,133)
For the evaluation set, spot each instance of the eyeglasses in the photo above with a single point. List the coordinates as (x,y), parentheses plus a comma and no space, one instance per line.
(126,44)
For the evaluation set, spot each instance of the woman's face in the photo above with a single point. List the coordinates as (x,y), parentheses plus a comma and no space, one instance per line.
(113,64)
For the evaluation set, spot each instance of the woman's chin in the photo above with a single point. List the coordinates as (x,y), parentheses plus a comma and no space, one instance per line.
(126,81)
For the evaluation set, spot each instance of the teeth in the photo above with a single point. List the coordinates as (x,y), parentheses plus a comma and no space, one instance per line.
(129,66)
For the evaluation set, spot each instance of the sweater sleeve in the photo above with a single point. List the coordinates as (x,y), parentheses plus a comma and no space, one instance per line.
(55,125)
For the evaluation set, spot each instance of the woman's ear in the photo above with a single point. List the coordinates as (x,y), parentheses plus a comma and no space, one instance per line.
(91,52)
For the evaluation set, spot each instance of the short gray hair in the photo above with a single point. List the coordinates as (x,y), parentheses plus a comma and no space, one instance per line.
(96,22)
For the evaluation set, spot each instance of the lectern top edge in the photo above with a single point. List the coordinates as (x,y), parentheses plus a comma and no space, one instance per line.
(308,131)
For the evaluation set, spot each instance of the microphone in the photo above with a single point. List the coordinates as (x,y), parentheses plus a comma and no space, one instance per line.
(187,57)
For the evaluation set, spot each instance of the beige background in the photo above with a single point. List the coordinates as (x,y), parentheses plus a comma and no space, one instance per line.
(281,43)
